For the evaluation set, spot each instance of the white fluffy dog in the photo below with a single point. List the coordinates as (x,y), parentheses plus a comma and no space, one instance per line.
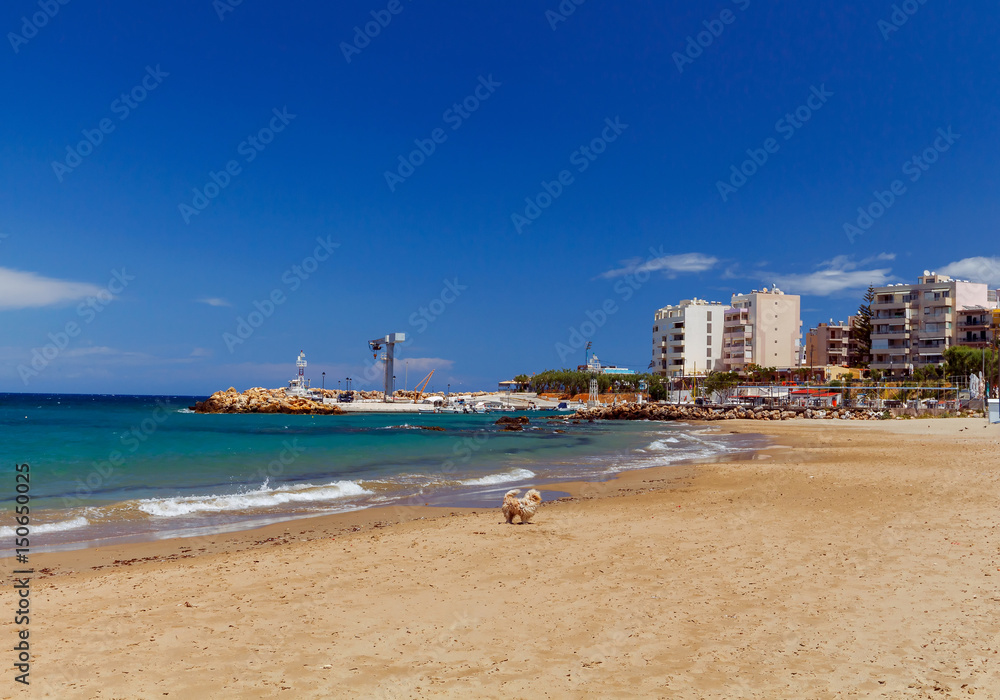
(524,507)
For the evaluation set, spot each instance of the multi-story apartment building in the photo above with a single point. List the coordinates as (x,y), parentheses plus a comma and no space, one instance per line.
(913,324)
(831,344)
(762,328)
(687,338)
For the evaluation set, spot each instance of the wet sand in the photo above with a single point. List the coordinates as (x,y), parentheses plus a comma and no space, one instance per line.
(857,559)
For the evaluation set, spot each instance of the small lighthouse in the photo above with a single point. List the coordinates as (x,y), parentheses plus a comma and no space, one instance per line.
(299,385)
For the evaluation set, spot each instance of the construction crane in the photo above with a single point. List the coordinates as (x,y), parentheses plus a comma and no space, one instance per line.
(389,342)
(419,389)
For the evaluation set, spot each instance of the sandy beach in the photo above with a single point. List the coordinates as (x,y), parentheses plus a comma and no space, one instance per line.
(854,559)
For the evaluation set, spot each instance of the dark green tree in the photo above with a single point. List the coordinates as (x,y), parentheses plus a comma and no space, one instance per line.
(862,331)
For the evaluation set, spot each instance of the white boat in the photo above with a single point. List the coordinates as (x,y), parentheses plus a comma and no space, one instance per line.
(495,407)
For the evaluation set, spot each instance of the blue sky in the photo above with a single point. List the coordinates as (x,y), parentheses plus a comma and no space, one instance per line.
(433,180)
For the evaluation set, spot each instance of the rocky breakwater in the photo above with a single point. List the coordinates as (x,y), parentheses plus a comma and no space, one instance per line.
(633,411)
(259,400)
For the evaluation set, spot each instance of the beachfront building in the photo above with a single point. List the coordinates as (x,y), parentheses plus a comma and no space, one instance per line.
(831,344)
(762,328)
(913,324)
(687,338)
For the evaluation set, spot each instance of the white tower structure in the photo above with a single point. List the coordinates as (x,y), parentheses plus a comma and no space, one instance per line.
(298,386)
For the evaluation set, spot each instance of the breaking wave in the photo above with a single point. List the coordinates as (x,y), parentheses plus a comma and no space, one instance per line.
(503,478)
(261,498)
(73,524)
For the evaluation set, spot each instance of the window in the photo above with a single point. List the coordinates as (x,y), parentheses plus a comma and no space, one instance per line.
(708,353)
(708,340)
(708,316)
(709,328)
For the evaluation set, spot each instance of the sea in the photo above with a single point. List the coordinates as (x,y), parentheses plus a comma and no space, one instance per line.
(109,469)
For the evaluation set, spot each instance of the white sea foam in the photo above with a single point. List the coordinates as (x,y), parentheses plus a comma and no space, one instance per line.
(73,524)
(662,444)
(184,410)
(505,477)
(261,498)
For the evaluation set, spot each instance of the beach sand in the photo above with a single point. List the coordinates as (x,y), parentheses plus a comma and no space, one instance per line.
(859,560)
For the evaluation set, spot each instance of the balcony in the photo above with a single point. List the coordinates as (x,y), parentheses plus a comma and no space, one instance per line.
(890,332)
(903,302)
(976,324)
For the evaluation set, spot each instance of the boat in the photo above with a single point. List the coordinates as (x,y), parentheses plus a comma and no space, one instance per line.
(495,407)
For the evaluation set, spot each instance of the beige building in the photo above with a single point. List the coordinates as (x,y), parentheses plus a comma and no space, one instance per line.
(913,324)
(830,344)
(687,338)
(762,328)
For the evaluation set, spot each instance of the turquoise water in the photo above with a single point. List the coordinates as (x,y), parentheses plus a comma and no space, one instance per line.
(107,467)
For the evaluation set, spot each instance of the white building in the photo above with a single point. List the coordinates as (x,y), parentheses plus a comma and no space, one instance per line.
(762,328)
(687,338)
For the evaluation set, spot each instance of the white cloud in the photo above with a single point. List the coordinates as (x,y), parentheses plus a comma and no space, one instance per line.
(977,269)
(26,290)
(418,364)
(840,274)
(669,265)
(214,301)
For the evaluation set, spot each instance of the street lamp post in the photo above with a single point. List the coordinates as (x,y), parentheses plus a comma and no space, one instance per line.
(324,381)
(394,386)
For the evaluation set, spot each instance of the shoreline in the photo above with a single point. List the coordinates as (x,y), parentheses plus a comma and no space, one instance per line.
(835,564)
(85,555)
(475,492)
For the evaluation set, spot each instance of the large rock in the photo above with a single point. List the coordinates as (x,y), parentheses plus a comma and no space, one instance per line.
(260,400)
